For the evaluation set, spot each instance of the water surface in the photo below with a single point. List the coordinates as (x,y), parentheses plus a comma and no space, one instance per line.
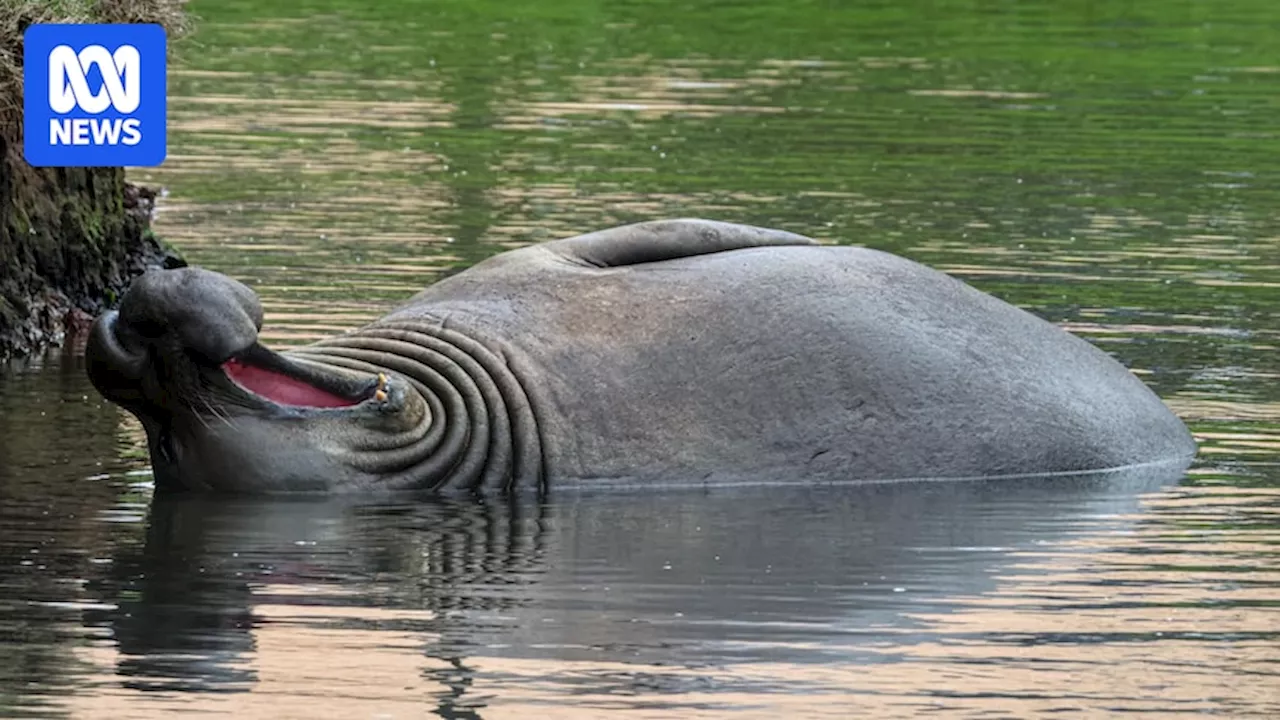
(1106,166)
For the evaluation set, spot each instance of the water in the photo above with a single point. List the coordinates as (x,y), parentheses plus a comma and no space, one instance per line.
(1107,166)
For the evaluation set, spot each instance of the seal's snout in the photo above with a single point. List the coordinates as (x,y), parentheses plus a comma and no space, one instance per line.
(207,313)
(114,367)
(165,315)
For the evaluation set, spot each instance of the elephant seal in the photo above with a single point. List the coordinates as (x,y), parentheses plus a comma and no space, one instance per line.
(681,351)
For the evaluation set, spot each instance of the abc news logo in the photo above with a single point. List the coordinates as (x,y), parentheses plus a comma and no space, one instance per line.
(69,89)
(94,95)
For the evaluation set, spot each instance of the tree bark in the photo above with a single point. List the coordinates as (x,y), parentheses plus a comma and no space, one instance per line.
(71,239)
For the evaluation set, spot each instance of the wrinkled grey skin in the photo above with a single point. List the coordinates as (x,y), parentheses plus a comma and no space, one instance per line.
(671,352)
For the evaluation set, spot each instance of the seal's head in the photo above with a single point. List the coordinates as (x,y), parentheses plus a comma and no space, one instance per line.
(221,411)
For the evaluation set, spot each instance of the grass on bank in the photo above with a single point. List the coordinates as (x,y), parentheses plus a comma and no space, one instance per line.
(17,15)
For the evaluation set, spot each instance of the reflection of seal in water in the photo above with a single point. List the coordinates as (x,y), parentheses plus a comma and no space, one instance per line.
(672,579)
(680,351)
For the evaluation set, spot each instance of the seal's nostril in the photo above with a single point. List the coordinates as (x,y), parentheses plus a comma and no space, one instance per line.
(114,360)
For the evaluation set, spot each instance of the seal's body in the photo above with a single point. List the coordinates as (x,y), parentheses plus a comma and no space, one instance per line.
(676,352)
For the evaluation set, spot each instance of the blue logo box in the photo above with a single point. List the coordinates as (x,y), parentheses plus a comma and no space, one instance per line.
(94,95)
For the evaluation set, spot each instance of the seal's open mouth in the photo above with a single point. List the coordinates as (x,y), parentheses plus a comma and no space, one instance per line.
(272,377)
(281,389)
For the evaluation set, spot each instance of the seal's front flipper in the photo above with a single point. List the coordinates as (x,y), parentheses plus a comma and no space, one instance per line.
(660,240)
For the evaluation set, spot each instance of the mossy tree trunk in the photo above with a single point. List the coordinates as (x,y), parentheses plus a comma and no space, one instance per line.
(70,238)
(70,241)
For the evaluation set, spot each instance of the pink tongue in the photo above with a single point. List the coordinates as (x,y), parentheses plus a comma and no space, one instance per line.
(281,389)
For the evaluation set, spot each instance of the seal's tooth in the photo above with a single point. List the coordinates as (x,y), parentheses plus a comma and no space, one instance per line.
(382,381)
(380,395)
